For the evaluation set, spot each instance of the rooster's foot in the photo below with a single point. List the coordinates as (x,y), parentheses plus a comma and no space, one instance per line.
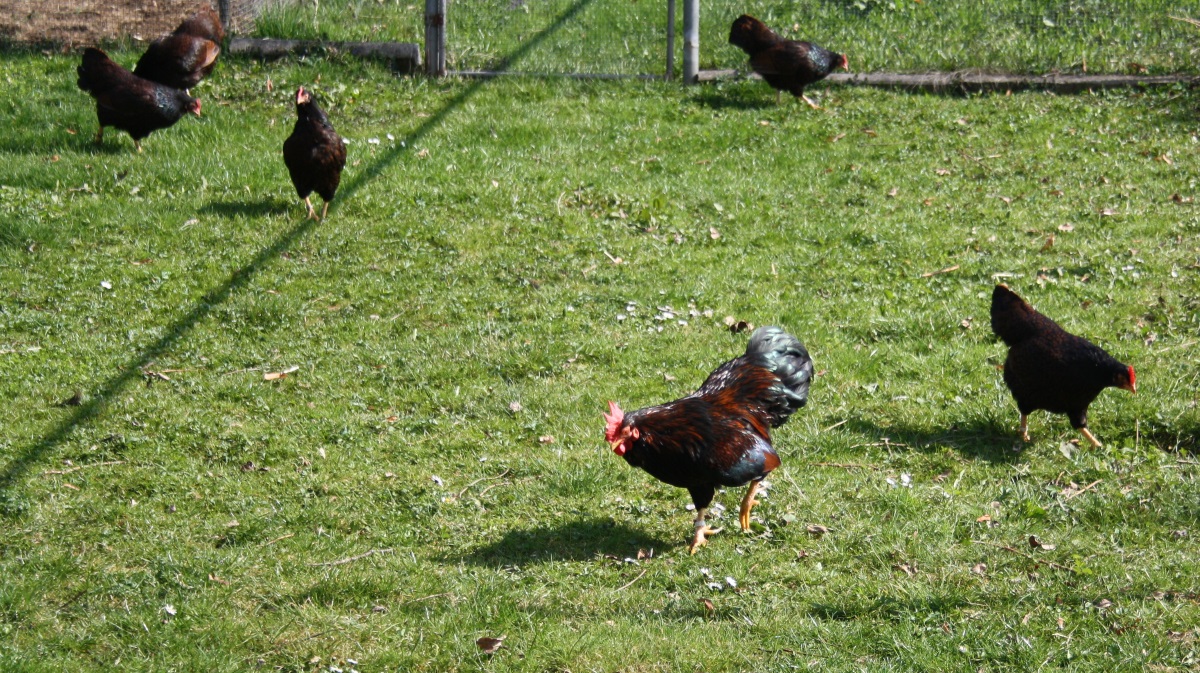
(699,541)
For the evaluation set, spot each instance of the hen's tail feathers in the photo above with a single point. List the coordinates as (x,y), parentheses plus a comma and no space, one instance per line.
(97,70)
(787,358)
(1014,320)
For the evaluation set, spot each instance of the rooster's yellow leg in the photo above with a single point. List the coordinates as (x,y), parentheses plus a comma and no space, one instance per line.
(702,529)
(312,213)
(748,503)
(1024,428)
(1091,438)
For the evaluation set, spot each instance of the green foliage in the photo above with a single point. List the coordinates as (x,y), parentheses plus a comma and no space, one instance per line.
(460,307)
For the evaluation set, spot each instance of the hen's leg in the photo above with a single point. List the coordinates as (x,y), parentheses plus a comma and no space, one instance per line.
(138,144)
(808,100)
(1091,438)
(702,529)
(1025,427)
(312,213)
(777,96)
(99,136)
(748,503)
(325,210)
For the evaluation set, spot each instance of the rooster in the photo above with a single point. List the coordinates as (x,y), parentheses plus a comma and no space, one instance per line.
(719,435)
(128,102)
(787,65)
(314,154)
(1050,368)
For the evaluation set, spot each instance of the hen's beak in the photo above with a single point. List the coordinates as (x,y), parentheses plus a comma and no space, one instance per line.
(1132,387)
(618,446)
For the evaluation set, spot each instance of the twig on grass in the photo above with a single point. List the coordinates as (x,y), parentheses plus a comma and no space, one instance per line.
(940,271)
(846,466)
(80,467)
(1075,493)
(1185,19)
(841,422)
(281,537)
(353,558)
(468,486)
(425,598)
(1007,548)
(630,582)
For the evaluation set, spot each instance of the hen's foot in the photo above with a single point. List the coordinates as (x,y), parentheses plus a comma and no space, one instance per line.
(811,104)
(312,212)
(1024,428)
(1091,438)
(325,210)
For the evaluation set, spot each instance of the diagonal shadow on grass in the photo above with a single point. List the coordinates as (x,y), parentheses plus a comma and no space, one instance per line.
(974,439)
(579,540)
(13,472)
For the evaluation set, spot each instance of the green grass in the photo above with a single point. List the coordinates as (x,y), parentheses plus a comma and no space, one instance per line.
(466,267)
(620,36)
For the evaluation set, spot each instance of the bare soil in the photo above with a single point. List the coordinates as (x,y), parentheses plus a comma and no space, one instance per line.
(79,23)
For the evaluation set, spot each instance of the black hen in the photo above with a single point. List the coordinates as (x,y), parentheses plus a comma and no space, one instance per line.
(128,102)
(315,154)
(787,65)
(1050,368)
(719,435)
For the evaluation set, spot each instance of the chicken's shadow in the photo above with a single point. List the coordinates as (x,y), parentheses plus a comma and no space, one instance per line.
(977,439)
(249,208)
(737,97)
(579,540)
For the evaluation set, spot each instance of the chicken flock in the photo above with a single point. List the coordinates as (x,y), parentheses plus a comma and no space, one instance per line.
(719,435)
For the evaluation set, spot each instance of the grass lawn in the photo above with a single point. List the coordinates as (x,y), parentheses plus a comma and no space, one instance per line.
(456,325)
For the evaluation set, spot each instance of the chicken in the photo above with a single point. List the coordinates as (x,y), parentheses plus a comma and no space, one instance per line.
(314,153)
(128,102)
(1050,368)
(205,23)
(720,434)
(787,65)
(186,56)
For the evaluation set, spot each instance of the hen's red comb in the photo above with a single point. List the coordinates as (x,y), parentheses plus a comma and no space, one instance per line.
(613,420)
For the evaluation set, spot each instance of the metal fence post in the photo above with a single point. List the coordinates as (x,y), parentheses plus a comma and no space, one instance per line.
(691,41)
(435,38)
(223,10)
(670,41)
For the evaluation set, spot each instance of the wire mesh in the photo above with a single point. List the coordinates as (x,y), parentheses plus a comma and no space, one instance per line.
(1017,36)
(628,37)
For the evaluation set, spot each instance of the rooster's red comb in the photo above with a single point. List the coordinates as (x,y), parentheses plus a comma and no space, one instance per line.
(613,420)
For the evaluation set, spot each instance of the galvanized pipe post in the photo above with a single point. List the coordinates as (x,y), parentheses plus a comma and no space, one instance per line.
(435,38)
(691,41)
(670,41)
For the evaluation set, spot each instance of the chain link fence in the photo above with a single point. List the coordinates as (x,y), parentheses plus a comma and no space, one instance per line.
(629,37)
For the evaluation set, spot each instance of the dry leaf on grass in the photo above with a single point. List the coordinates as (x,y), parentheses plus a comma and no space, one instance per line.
(490,645)
(816,529)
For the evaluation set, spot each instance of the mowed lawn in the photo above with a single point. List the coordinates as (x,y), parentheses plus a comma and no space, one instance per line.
(504,258)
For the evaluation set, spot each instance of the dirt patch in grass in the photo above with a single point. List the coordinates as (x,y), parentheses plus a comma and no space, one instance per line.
(77,23)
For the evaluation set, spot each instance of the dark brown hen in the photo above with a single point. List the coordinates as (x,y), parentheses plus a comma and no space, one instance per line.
(719,435)
(205,23)
(128,102)
(1049,368)
(179,61)
(186,56)
(315,154)
(787,65)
